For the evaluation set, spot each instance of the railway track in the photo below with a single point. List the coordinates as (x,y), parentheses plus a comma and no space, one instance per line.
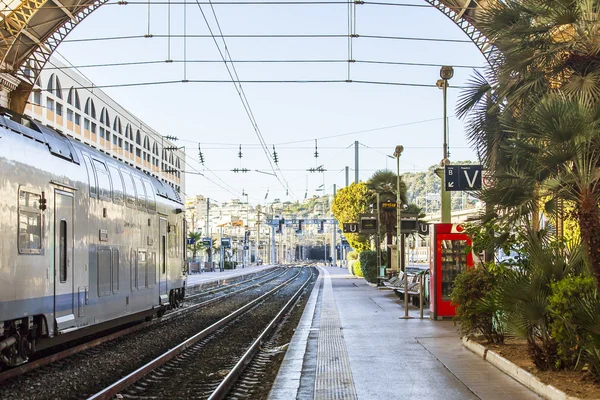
(202,295)
(208,364)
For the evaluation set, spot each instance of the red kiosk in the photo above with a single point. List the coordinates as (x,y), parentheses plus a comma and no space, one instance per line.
(449,258)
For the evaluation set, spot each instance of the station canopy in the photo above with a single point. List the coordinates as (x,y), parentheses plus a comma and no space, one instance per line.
(32,29)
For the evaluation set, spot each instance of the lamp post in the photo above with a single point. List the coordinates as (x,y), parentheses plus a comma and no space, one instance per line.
(446,73)
(397,152)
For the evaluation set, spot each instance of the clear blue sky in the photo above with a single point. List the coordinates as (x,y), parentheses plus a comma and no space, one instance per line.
(213,115)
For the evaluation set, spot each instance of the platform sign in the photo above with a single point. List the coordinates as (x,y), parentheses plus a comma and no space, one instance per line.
(368,223)
(463,177)
(226,242)
(388,206)
(207,242)
(351,227)
(423,228)
(191,241)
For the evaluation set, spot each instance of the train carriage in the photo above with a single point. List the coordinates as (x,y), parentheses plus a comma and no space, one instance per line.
(86,242)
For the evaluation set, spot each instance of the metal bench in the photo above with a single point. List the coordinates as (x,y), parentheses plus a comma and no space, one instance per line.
(415,288)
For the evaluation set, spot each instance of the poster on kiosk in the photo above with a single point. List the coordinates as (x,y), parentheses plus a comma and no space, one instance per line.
(450,256)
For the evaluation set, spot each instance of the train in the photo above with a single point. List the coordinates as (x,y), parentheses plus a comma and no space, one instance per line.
(87,243)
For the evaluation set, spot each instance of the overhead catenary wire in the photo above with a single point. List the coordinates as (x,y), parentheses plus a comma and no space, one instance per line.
(291,61)
(239,87)
(266,36)
(257,81)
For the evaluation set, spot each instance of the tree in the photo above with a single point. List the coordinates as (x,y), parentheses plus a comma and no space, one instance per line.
(197,246)
(534,117)
(348,203)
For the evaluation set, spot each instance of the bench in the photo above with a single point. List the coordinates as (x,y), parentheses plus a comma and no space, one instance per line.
(415,288)
(393,283)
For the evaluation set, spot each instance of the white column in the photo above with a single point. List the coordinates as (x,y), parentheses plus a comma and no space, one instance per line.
(8,83)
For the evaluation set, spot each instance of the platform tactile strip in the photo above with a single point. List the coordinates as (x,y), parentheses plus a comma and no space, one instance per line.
(334,376)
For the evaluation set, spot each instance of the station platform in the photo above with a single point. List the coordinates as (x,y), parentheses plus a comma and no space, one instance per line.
(351,344)
(195,279)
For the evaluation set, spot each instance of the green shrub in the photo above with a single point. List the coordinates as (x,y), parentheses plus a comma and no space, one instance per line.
(564,303)
(474,315)
(368,265)
(356,269)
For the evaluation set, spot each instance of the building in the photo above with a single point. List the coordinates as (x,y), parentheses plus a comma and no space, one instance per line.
(69,103)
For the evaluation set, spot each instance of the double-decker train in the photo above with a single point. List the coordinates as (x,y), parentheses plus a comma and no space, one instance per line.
(86,242)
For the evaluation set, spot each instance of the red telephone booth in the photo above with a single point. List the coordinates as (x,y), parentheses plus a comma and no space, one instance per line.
(449,257)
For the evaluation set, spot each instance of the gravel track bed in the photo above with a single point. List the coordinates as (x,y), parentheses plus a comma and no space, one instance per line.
(258,378)
(88,372)
(197,372)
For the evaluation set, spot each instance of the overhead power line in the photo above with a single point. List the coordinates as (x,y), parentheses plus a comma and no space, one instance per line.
(265,36)
(315,61)
(258,81)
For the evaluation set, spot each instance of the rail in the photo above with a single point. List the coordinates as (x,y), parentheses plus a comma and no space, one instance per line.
(134,376)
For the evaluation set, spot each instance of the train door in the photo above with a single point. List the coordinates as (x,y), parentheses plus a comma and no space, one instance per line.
(63,260)
(162,261)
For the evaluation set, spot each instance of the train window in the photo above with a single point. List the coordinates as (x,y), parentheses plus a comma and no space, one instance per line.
(152,270)
(104,271)
(150,195)
(163,259)
(117,184)
(133,268)
(30,222)
(91,176)
(115,270)
(104,189)
(62,251)
(129,189)
(173,241)
(142,267)
(141,194)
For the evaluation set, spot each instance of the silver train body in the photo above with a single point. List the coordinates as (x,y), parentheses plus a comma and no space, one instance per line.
(86,242)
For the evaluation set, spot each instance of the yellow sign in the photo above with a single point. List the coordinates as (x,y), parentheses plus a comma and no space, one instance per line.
(388,205)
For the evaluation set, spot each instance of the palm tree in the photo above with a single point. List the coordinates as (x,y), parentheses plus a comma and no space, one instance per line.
(534,115)
(197,246)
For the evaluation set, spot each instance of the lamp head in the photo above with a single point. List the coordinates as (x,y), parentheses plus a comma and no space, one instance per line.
(399,149)
(446,72)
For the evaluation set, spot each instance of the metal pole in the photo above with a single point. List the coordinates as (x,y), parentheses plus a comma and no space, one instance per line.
(446,73)
(446,200)
(347,176)
(378,240)
(273,245)
(334,233)
(356,161)
(445,121)
(399,260)
(210,260)
(248,223)
(222,261)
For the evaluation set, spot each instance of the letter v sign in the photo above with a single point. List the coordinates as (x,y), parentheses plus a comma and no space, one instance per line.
(471,182)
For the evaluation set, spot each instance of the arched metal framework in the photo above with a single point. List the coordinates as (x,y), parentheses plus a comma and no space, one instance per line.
(33,29)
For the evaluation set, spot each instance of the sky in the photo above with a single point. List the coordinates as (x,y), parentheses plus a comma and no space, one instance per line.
(289,116)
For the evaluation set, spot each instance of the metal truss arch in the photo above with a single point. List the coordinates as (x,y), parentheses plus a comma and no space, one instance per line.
(464,14)
(31,32)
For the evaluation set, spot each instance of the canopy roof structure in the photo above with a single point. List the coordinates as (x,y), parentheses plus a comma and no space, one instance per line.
(32,29)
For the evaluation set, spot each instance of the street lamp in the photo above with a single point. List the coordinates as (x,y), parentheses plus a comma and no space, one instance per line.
(397,152)
(446,73)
